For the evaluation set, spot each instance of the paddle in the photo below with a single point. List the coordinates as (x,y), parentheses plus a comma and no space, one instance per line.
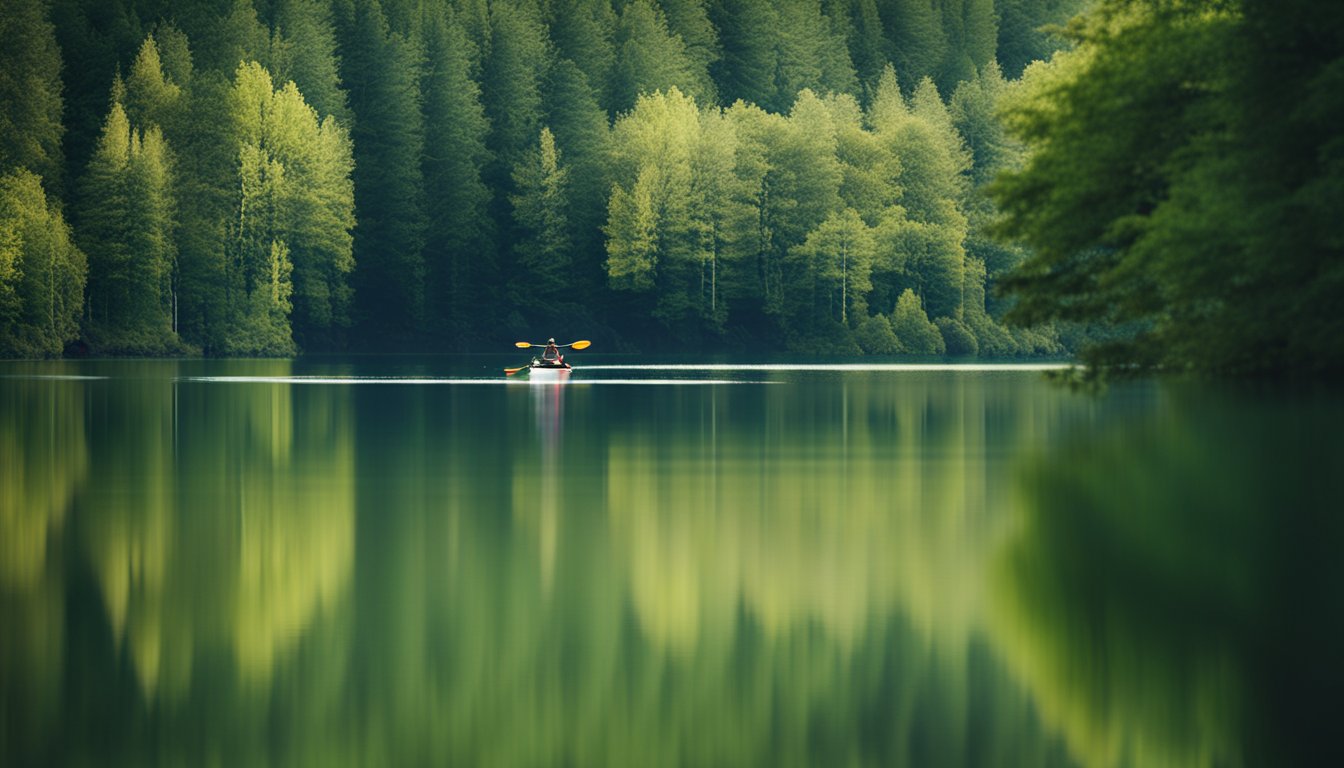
(576,345)
(511,371)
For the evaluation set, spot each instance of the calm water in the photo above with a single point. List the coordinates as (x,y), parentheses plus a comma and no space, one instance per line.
(412,562)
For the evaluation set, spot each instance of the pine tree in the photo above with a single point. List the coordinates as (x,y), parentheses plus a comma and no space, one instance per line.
(748,31)
(128,223)
(689,20)
(650,58)
(381,71)
(42,273)
(911,325)
(309,35)
(584,33)
(30,92)
(583,137)
(460,267)
(543,248)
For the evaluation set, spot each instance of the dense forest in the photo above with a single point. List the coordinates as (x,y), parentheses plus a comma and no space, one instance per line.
(243,177)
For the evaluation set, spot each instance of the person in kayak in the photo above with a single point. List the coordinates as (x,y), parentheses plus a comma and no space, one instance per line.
(552,354)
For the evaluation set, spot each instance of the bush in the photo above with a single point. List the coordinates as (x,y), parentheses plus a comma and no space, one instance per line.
(912,327)
(957,337)
(875,336)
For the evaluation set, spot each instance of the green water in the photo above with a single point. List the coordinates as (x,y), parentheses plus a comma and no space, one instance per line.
(396,561)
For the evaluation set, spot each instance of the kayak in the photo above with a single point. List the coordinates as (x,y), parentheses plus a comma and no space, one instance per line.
(543,372)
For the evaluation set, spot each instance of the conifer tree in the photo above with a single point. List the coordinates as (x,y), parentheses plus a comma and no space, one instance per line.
(127,217)
(748,31)
(583,138)
(42,273)
(650,58)
(460,264)
(835,263)
(543,247)
(309,58)
(30,92)
(584,33)
(381,72)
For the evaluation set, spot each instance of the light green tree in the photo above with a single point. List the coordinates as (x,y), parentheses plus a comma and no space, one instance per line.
(42,273)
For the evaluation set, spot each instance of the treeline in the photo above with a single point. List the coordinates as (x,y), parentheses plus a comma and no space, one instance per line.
(269,176)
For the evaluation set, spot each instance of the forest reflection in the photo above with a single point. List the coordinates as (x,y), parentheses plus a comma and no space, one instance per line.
(856,570)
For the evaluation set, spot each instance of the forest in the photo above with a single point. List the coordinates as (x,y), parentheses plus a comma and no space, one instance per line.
(962,177)
(269,177)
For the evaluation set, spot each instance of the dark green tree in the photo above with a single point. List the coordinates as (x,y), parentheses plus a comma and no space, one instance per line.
(584,32)
(583,138)
(308,54)
(543,248)
(748,31)
(30,92)
(381,71)
(651,58)
(1159,196)
(460,265)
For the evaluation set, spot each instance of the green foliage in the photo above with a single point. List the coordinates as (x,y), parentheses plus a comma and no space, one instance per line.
(876,337)
(30,92)
(712,215)
(42,273)
(543,249)
(957,338)
(651,58)
(835,263)
(747,30)
(459,253)
(1159,196)
(291,218)
(128,221)
(583,32)
(381,72)
(916,334)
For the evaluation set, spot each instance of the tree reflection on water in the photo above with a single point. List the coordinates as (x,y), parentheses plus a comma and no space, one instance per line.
(932,569)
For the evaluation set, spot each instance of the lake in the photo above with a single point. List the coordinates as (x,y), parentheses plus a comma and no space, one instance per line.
(415,561)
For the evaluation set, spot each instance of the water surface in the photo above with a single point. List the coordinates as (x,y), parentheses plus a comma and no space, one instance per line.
(416,561)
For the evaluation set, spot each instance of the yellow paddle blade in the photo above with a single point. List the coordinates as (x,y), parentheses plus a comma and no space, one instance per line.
(522,344)
(580,345)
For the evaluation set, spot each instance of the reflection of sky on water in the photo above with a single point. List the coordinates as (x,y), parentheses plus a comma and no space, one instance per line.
(923,568)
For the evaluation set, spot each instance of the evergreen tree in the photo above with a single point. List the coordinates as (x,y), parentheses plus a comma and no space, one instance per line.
(42,273)
(543,248)
(747,31)
(151,98)
(932,161)
(689,20)
(314,215)
(650,58)
(584,33)
(127,216)
(918,41)
(381,72)
(513,73)
(30,92)
(583,138)
(809,54)
(309,54)
(1024,32)
(460,267)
